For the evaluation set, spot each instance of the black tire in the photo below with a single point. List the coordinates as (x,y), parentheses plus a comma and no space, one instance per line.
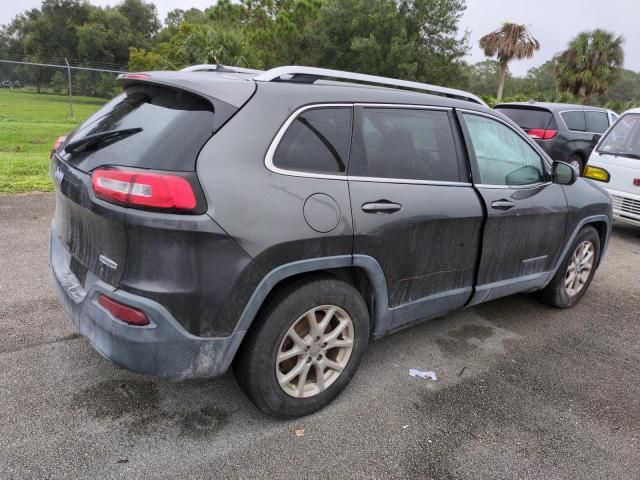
(577,159)
(555,294)
(255,364)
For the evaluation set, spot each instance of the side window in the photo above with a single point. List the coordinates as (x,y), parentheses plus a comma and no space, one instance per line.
(404,143)
(597,122)
(574,121)
(317,141)
(503,157)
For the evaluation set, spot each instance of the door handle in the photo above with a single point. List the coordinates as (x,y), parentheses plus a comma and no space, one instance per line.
(381,206)
(503,204)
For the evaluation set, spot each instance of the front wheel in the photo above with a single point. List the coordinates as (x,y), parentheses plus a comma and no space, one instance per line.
(305,347)
(575,274)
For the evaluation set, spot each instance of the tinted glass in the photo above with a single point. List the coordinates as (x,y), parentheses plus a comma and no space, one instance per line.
(574,121)
(623,138)
(597,122)
(407,143)
(503,157)
(175,125)
(528,118)
(317,141)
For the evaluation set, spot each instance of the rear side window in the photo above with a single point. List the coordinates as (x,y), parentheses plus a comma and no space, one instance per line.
(574,121)
(317,141)
(529,118)
(596,122)
(404,143)
(169,127)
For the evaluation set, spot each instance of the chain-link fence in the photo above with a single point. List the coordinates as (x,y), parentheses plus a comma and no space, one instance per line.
(60,77)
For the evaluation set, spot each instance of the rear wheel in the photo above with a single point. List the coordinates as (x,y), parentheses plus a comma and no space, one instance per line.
(305,347)
(575,274)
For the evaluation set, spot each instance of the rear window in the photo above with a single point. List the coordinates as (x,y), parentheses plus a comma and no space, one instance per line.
(169,127)
(317,141)
(575,121)
(597,122)
(403,143)
(528,118)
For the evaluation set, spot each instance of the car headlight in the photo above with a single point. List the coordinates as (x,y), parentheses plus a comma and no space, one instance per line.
(597,173)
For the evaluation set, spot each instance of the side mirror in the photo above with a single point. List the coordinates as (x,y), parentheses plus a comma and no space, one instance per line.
(564,174)
(595,139)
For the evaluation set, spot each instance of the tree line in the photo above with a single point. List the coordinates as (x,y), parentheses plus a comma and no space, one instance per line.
(417,40)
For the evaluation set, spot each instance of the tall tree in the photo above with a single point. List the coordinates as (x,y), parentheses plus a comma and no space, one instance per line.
(409,39)
(591,65)
(511,41)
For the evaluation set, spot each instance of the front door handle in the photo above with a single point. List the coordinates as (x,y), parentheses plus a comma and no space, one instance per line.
(503,204)
(381,206)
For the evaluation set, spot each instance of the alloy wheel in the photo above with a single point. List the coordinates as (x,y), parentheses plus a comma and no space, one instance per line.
(579,268)
(314,351)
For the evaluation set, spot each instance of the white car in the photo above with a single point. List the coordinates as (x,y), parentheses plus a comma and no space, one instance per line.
(616,162)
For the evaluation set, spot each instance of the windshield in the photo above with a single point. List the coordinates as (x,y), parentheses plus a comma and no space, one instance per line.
(624,137)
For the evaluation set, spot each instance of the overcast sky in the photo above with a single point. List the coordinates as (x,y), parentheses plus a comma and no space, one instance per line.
(552,22)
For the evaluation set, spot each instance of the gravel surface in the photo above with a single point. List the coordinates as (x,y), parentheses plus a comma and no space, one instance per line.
(523,391)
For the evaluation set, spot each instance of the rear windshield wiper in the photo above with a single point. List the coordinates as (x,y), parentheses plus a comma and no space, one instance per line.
(99,139)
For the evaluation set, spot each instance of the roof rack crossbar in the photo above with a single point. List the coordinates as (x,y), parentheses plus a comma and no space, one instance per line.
(206,67)
(291,72)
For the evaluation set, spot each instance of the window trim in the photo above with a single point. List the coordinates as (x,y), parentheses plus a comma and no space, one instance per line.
(585,120)
(269,158)
(472,154)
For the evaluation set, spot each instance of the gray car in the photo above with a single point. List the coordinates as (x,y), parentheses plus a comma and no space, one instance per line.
(278,221)
(566,132)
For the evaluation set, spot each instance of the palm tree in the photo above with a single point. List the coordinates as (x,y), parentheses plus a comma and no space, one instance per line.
(591,65)
(506,43)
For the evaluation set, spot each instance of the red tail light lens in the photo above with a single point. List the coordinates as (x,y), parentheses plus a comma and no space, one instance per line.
(541,134)
(636,182)
(57,144)
(137,189)
(127,314)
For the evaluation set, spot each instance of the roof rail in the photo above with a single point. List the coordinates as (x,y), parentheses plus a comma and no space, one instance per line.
(205,67)
(311,74)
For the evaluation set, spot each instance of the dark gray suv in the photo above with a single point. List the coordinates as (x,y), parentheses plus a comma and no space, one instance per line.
(567,133)
(278,221)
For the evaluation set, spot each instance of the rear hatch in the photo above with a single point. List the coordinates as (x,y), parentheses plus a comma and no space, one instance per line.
(154,128)
(538,122)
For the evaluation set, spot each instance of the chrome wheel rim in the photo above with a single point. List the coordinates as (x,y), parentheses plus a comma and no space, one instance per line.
(314,351)
(576,164)
(579,268)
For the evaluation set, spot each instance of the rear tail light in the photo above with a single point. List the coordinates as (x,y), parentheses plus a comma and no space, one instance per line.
(146,190)
(57,144)
(541,134)
(636,182)
(122,312)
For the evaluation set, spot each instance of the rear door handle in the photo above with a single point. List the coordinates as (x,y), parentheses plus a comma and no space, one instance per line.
(381,206)
(503,204)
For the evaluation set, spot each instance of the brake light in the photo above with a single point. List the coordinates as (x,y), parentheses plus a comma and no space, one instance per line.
(636,182)
(542,134)
(57,144)
(138,189)
(136,76)
(127,314)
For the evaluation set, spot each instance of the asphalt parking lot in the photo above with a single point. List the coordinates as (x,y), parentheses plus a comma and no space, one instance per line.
(523,391)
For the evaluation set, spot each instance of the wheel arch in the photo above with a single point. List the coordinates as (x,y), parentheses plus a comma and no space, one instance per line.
(361,271)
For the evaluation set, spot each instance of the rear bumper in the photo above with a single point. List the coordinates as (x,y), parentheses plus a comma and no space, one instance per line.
(163,348)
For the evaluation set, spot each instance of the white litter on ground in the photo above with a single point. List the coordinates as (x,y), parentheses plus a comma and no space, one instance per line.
(417,373)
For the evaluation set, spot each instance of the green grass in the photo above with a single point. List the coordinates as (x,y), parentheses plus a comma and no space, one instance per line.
(29,124)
